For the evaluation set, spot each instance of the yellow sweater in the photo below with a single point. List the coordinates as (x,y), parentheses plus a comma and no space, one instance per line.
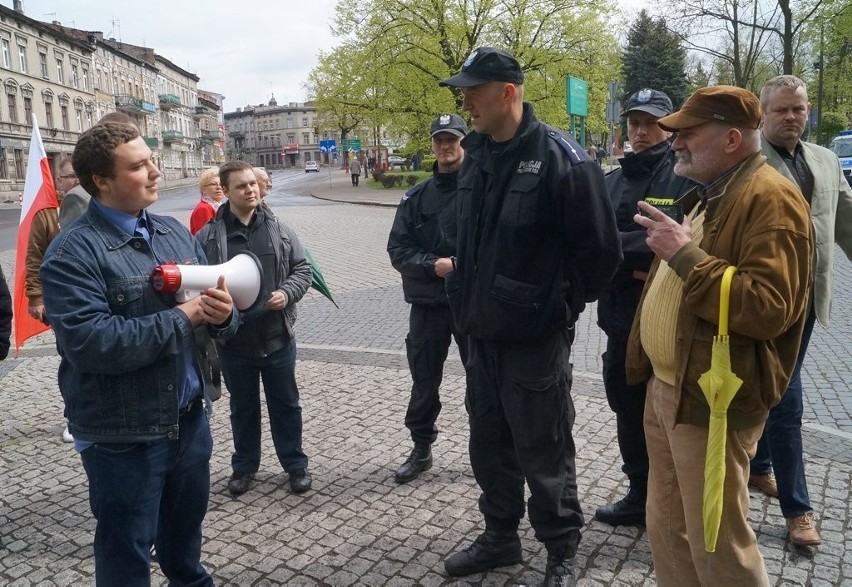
(658,321)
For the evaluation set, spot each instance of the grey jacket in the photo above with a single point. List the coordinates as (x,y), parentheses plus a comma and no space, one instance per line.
(74,205)
(831,216)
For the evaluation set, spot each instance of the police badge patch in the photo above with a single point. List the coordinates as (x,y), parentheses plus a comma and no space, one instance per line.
(444,120)
(469,59)
(643,96)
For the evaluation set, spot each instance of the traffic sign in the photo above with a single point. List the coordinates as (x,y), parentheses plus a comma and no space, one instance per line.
(354,144)
(576,96)
(328,146)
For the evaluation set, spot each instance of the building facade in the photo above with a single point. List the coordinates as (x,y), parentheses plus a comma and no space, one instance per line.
(273,136)
(46,73)
(69,78)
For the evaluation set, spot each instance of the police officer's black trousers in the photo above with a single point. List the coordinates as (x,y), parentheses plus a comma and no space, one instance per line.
(430,330)
(521,416)
(628,403)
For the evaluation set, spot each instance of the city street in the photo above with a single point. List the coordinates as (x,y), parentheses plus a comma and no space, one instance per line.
(357,526)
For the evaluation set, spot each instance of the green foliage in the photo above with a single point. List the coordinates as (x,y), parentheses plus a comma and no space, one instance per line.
(832,123)
(655,58)
(411,180)
(395,52)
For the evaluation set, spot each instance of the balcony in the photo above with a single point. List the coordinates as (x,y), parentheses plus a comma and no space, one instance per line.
(128,104)
(149,107)
(202,111)
(237,135)
(152,142)
(169,101)
(212,135)
(172,136)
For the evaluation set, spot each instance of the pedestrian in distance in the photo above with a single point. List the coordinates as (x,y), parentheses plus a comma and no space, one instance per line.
(211,198)
(134,370)
(744,214)
(817,173)
(421,246)
(264,347)
(536,241)
(355,171)
(647,172)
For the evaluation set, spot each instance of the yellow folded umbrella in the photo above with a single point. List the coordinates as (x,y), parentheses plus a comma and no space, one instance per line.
(719,385)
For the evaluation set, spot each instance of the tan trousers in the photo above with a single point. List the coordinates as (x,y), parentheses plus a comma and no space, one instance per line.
(675,493)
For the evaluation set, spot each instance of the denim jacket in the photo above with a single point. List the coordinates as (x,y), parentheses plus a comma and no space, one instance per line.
(120,341)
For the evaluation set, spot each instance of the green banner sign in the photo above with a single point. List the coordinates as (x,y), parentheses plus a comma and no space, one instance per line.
(576,96)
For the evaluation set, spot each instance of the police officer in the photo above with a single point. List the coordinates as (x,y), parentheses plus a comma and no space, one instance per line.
(647,172)
(421,246)
(536,241)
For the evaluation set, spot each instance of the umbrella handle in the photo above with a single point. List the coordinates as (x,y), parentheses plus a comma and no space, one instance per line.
(725,299)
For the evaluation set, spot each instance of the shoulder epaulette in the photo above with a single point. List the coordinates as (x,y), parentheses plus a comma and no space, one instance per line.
(569,146)
(413,191)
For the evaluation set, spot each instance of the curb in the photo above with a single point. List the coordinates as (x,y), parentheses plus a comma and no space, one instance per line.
(356,202)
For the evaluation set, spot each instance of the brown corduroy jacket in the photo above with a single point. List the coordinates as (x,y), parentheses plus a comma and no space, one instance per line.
(44,229)
(761,224)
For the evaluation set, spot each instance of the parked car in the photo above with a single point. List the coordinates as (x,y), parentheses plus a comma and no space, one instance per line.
(396,161)
(311,166)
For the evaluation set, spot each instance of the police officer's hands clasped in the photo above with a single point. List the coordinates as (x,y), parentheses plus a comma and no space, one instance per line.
(665,236)
(443,265)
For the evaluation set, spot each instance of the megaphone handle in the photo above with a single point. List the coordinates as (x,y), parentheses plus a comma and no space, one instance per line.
(185,295)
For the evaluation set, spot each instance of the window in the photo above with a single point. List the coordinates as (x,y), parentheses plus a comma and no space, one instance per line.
(59,75)
(4,171)
(48,114)
(304,121)
(13,109)
(22,58)
(289,123)
(305,139)
(79,119)
(7,58)
(85,79)
(88,120)
(64,110)
(42,61)
(19,164)
(75,76)
(28,110)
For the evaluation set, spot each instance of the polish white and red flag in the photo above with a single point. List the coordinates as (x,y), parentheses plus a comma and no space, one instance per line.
(39,193)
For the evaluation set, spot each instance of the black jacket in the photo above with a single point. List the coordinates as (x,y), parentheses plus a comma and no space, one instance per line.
(641,175)
(5,317)
(285,268)
(424,229)
(536,234)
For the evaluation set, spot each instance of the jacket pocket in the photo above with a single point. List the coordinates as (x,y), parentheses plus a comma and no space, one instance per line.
(520,206)
(516,293)
(126,296)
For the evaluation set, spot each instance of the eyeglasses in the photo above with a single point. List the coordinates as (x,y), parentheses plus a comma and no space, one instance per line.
(214,184)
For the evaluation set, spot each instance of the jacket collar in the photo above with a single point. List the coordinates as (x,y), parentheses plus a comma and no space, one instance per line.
(478,145)
(716,206)
(112,236)
(639,165)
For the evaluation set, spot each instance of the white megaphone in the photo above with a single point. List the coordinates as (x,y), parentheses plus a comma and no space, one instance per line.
(242,278)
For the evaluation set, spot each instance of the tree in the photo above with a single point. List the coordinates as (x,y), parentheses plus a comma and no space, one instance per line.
(407,46)
(655,58)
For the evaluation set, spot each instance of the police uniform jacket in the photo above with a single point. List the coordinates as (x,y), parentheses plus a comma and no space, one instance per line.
(424,230)
(536,235)
(641,175)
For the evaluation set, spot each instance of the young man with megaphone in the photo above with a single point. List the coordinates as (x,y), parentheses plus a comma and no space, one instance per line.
(134,372)
(265,345)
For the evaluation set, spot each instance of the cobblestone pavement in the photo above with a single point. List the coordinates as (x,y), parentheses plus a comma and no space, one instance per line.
(357,526)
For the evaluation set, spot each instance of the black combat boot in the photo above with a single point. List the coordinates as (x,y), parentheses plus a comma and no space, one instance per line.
(418,461)
(558,572)
(492,549)
(627,511)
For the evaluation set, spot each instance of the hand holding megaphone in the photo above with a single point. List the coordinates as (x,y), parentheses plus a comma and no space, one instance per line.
(213,306)
(242,275)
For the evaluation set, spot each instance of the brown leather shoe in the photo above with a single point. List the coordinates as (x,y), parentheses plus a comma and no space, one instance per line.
(802,530)
(765,483)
